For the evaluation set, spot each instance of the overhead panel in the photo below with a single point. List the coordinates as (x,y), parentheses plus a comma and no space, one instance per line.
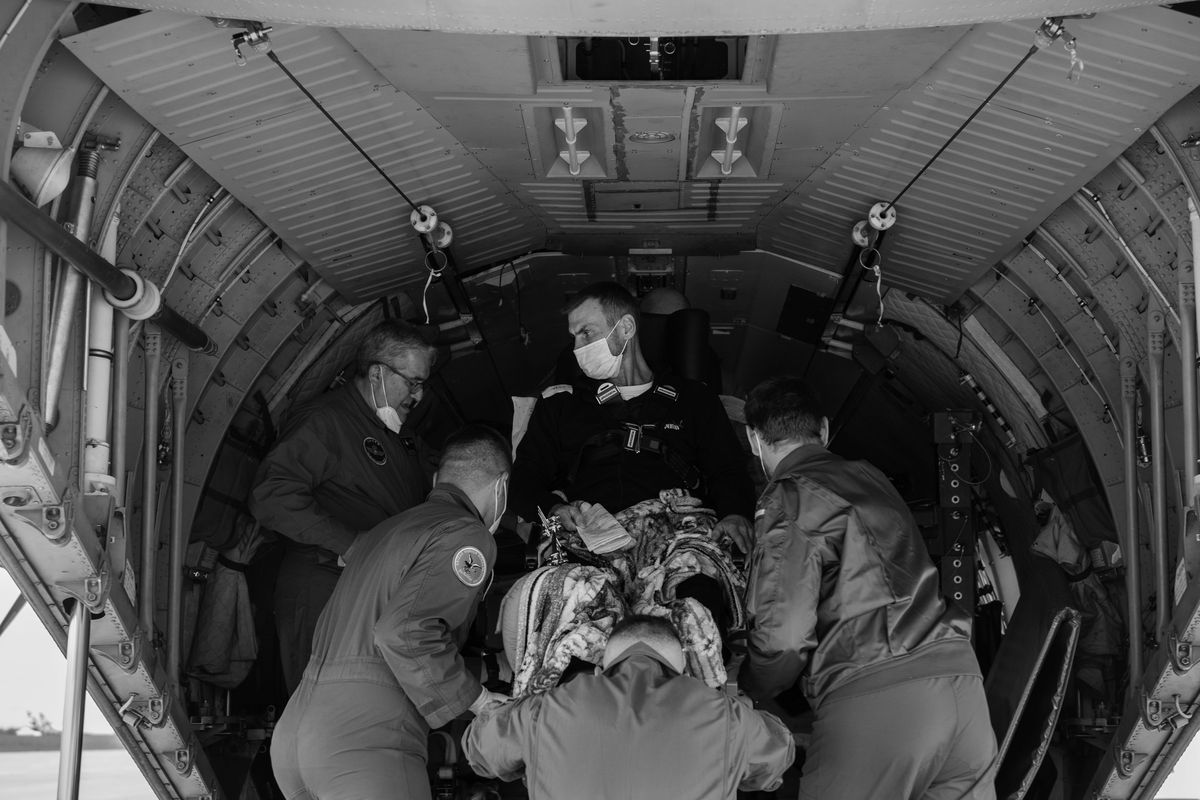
(1037,142)
(630,17)
(252,129)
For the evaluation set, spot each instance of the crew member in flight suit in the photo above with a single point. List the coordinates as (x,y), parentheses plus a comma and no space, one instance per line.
(842,596)
(341,466)
(638,728)
(386,666)
(622,434)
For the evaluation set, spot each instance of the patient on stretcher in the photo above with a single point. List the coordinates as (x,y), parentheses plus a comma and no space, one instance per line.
(658,557)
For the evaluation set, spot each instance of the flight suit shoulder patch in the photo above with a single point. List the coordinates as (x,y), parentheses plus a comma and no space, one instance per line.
(374,450)
(559,388)
(470,566)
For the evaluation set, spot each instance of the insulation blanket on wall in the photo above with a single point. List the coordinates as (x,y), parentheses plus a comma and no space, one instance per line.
(568,611)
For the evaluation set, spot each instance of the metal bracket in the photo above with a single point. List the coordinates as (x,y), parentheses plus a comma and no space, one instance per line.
(54,521)
(92,591)
(182,760)
(124,653)
(15,435)
(1164,714)
(1182,654)
(1126,761)
(144,712)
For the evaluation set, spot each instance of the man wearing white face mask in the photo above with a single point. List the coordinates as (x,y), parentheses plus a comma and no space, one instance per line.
(842,596)
(340,467)
(386,666)
(620,434)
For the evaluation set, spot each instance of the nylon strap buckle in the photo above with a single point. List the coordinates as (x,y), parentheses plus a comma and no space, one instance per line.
(633,437)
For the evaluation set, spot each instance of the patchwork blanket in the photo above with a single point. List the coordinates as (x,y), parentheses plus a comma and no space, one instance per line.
(562,612)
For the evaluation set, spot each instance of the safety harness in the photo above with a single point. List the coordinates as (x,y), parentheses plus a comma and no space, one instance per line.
(638,438)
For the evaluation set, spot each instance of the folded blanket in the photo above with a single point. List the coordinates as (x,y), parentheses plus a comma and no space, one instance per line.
(555,614)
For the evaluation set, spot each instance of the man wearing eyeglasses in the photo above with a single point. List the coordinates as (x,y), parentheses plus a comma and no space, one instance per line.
(342,465)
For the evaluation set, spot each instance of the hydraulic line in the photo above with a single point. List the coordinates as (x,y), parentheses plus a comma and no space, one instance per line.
(178,536)
(1130,544)
(1155,327)
(71,284)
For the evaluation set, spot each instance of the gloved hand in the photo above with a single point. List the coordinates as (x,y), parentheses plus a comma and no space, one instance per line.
(488,699)
(569,514)
(737,528)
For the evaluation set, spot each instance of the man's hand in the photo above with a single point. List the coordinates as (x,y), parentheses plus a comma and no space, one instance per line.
(737,528)
(569,514)
(488,699)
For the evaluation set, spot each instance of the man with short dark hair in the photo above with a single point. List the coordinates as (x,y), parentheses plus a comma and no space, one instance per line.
(386,666)
(621,434)
(638,728)
(341,466)
(843,597)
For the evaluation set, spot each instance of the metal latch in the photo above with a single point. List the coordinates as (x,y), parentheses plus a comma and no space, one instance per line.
(54,521)
(181,759)
(91,591)
(124,654)
(144,712)
(1163,714)
(1126,761)
(15,435)
(1182,654)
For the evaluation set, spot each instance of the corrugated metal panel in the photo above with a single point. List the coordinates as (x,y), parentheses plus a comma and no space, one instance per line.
(727,207)
(1036,143)
(253,131)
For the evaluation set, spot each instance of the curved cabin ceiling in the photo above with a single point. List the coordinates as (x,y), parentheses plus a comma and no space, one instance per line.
(823,140)
(1026,262)
(631,18)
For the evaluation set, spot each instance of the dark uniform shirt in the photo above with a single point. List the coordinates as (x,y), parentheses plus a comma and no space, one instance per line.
(336,471)
(588,449)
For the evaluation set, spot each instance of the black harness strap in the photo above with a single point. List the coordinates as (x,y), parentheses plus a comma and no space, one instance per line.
(637,438)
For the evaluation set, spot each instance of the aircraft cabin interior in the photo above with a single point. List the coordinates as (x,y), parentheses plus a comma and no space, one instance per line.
(970,227)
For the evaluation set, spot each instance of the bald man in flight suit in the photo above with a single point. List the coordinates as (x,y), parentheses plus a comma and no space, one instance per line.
(386,666)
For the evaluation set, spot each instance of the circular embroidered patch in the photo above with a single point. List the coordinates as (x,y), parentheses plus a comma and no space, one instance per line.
(470,566)
(374,450)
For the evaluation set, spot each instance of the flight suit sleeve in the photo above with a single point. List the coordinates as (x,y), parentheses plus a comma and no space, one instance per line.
(497,741)
(416,633)
(768,748)
(722,459)
(783,591)
(540,466)
(283,498)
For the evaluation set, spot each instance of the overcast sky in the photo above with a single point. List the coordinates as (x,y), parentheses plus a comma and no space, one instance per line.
(33,670)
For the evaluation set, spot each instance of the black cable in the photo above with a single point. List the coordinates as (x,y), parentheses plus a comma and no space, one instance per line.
(520,319)
(1032,49)
(271,55)
(958,347)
